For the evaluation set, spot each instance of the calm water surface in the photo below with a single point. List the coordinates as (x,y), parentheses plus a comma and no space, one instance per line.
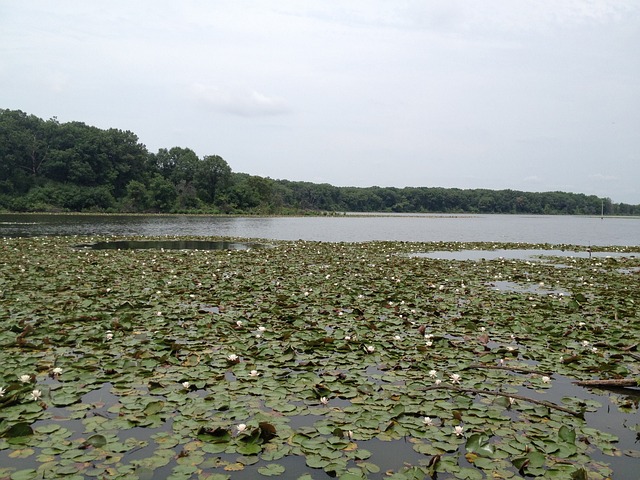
(577,230)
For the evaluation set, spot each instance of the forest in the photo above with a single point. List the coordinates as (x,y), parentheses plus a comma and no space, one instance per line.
(48,166)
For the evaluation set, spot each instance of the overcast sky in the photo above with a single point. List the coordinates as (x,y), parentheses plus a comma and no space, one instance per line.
(532,95)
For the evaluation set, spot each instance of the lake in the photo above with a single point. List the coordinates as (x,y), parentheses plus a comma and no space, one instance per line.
(576,321)
(575,230)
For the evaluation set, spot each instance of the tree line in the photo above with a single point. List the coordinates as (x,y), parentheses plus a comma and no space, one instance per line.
(46,165)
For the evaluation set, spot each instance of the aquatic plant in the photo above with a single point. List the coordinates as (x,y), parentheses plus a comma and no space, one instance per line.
(337,350)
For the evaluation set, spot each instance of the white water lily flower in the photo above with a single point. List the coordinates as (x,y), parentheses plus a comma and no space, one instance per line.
(458,430)
(254,373)
(428,421)
(350,434)
(186,385)
(324,400)
(438,381)
(25,378)
(512,400)
(35,395)
(594,350)
(108,335)
(2,391)
(241,428)
(455,378)
(347,338)
(262,329)
(428,343)
(233,357)
(370,349)
(239,323)
(585,343)
(57,371)
(433,373)
(545,379)
(397,337)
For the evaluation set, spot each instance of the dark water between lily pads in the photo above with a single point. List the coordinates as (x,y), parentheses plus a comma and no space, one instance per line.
(576,230)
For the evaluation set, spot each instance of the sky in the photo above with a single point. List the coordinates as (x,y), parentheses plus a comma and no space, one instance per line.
(537,95)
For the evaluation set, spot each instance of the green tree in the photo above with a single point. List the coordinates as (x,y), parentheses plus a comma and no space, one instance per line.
(137,197)
(213,177)
(162,194)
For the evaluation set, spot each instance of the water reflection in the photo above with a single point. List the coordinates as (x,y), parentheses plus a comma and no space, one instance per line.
(170,245)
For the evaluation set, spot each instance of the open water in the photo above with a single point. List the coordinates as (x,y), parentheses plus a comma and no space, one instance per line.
(552,229)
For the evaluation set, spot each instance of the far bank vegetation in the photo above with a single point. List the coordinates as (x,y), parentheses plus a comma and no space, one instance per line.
(50,166)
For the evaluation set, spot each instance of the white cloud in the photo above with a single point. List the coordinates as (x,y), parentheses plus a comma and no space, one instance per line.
(498,93)
(605,178)
(243,102)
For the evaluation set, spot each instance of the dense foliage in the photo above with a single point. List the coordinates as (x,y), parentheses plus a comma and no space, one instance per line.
(46,165)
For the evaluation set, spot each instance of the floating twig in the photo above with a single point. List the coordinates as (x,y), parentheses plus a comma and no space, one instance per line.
(502,394)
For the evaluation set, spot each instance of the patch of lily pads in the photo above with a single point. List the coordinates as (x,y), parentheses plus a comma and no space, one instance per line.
(313,360)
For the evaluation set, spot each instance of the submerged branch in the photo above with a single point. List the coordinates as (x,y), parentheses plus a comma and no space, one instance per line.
(513,369)
(502,394)
(620,382)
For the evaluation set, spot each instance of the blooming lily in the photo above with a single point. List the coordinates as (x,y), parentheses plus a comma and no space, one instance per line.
(254,373)
(324,400)
(428,421)
(2,391)
(35,395)
(455,378)
(186,385)
(233,357)
(370,349)
(545,379)
(433,373)
(25,378)
(458,430)
(57,371)
(241,428)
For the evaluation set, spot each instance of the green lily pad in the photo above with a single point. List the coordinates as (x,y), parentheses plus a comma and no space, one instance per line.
(271,470)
